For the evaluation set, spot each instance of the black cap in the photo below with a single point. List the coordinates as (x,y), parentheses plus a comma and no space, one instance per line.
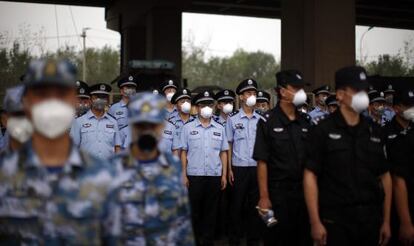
(376,97)
(263,96)
(82,89)
(404,96)
(353,76)
(169,84)
(289,77)
(225,95)
(389,89)
(203,97)
(371,89)
(323,89)
(127,80)
(245,85)
(100,88)
(331,100)
(180,94)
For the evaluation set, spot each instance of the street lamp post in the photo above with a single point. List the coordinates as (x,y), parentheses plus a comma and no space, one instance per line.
(83,35)
(360,44)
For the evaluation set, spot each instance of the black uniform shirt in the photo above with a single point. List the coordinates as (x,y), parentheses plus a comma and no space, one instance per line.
(280,142)
(348,161)
(400,153)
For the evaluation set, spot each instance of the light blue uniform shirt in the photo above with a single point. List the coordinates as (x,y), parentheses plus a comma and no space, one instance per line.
(171,116)
(388,114)
(125,134)
(241,131)
(203,146)
(179,123)
(96,136)
(166,141)
(318,114)
(119,110)
(220,119)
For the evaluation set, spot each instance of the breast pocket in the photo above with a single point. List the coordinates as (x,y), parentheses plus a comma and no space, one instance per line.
(239,134)
(109,135)
(337,149)
(87,135)
(194,141)
(280,141)
(216,142)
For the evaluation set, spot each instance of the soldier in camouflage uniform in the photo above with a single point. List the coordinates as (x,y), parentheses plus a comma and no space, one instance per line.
(154,203)
(50,192)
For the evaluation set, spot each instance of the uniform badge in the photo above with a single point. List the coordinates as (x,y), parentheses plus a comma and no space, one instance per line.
(130,78)
(279,129)
(119,113)
(375,140)
(86,125)
(102,87)
(390,87)
(304,129)
(206,94)
(193,132)
(392,136)
(82,91)
(260,94)
(411,94)
(217,134)
(109,126)
(226,92)
(335,136)
(168,132)
(249,82)
(239,126)
(298,76)
(185,92)
(362,76)
(170,82)
(77,83)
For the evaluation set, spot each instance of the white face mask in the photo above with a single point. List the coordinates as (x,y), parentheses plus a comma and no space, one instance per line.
(228,108)
(186,107)
(169,96)
(206,112)
(299,98)
(19,128)
(360,101)
(251,101)
(409,114)
(52,118)
(129,92)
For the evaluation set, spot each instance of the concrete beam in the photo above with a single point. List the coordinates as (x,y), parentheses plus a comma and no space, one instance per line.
(318,37)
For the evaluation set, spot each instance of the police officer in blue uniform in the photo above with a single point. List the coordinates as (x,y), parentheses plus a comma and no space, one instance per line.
(154,203)
(19,127)
(84,98)
(346,179)
(168,89)
(225,105)
(53,193)
(182,102)
(127,87)
(376,109)
(241,135)
(332,103)
(389,98)
(97,131)
(280,152)
(263,102)
(204,149)
(320,111)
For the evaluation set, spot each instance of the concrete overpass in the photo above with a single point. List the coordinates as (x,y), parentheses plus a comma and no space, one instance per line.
(318,36)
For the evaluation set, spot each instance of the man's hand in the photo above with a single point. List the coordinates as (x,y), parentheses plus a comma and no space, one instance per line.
(231,177)
(406,234)
(223,182)
(385,233)
(264,203)
(186,182)
(319,234)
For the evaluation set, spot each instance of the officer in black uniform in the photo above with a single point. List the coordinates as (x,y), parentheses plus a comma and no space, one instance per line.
(263,102)
(280,154)
(346,179)
(399,141)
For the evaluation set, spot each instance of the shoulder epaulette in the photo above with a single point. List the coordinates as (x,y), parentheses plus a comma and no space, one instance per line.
(123,127)
(190,120)
(111,115)
(234,113)
(217,121)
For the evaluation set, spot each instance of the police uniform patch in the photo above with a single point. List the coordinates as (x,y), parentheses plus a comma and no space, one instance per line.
(392,136)
(206,94)
(239,126)
(82,91)
(168,132)
(217,134)
(375,140)
(109,126)
(279,129)
(86,125)
(304,130)
(130,78)
(193,132)
(226,92)
(362,76)
(102,87)
(119,113)
(335,136)
(249,82)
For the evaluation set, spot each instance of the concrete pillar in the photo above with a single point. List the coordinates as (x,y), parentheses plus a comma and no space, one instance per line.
(318,37)
(150,30)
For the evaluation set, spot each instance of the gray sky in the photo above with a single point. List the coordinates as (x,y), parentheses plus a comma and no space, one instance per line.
(220,34)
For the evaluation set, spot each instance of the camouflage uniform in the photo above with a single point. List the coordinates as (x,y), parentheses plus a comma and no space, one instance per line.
(154,203)
(74,205)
